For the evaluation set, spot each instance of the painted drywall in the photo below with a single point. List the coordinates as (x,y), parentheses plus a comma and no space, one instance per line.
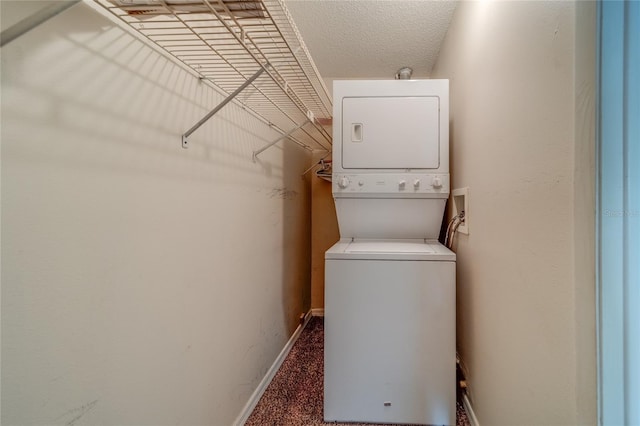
(324,233)
(584,212)
(15,11)
(521,139)
(142,284)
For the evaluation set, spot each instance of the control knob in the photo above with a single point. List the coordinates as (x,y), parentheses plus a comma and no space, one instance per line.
(401,184)
(343,182)
(416,184)
(436,182)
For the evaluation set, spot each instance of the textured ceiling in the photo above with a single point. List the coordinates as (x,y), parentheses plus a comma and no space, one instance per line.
(372,38)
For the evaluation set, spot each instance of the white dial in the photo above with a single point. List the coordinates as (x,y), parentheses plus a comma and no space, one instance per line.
(436,182)
(401,184)
(416,184)
(343,182)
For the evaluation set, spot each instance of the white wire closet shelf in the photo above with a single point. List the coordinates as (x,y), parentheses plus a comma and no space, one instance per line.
(250,49)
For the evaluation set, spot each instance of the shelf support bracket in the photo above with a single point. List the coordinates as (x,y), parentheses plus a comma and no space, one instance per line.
(270,144)
(218,107)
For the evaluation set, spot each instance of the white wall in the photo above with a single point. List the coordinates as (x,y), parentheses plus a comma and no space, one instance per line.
(142,284)
(15,11)
(324,233)
(525,272)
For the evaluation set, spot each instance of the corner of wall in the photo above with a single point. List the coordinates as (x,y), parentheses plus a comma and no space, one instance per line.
(584,212)
(324,232)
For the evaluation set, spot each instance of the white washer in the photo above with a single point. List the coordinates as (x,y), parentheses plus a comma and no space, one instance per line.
(390,332)
(389,284)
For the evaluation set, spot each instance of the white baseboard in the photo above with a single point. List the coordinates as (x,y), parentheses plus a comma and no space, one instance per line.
(262,386)
(317,312)
(473,420)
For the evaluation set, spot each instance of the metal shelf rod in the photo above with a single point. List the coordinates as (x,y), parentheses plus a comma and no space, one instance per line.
(237,48)
(221,105)
(292,95)
(270,144)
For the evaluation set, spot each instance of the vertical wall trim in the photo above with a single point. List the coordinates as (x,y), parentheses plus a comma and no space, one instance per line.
(618,247)
(632,206)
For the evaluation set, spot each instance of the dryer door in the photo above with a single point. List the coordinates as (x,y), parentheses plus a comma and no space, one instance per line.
(390,132)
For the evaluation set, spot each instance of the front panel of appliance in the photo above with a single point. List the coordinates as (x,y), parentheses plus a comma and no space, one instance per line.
(390,132)
(390,217)
(390,205)
(391,126)
(390,342)
(426,185)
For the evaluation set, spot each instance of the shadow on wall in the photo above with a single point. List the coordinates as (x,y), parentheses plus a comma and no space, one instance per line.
(133,269)
(296,294)
(105,86)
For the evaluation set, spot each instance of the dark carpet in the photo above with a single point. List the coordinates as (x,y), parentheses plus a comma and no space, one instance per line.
(295,395)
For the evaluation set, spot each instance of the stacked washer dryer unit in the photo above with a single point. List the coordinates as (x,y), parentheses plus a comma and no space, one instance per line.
(389,284)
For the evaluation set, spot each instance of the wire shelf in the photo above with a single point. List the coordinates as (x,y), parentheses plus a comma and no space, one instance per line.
(227,42)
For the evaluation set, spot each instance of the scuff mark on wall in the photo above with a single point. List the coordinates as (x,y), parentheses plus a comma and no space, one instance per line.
(283,193)
(78,412)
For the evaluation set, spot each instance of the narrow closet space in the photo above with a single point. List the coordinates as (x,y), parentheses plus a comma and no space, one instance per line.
(297,212)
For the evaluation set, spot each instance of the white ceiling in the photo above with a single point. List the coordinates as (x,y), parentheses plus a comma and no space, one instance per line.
(372,38)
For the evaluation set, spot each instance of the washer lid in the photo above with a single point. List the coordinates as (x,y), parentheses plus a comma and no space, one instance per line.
(364,249)
(389,247)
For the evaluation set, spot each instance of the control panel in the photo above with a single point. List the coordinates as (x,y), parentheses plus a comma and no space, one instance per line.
(402,184)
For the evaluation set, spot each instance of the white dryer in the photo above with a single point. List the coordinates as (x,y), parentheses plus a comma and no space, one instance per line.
(389,284)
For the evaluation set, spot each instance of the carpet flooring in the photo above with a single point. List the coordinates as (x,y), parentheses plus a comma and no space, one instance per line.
(295,395)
